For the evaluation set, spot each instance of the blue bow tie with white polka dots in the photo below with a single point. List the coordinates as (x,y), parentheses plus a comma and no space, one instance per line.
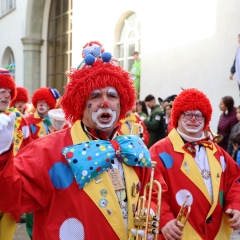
(89,159)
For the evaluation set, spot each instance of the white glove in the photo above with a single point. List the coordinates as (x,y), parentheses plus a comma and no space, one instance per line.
(150,236)
(6,131)
(141,233)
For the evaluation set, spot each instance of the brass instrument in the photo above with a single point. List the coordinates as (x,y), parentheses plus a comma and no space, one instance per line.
(139,130)
(183,213)
(143,221)
(216,138)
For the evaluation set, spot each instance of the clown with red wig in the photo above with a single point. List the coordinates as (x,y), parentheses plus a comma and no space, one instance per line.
(199,171)
(21,99)
(19,138)
(43,100)
(82,182)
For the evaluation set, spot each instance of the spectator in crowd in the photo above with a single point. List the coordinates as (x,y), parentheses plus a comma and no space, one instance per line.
(236,65)
(135,72)
(167,112)
(155,122)
(141,109)
(236,128)
(227,120)
(235,140)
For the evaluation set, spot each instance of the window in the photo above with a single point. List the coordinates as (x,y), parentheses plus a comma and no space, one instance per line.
(8,59)
(129,41)
(7,6)
(59,54)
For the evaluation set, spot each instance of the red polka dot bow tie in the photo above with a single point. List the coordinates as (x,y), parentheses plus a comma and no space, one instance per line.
(190,146)
(89,159)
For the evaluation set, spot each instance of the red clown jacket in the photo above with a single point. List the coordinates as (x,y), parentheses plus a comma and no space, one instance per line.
(40,180)
(207,219)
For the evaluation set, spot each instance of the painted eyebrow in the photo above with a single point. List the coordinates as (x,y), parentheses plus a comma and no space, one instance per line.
(95,92)
(112,91)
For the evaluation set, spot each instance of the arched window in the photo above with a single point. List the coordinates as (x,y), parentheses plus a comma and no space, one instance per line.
(7,6)
(129,41)
(8,58)
(59,53)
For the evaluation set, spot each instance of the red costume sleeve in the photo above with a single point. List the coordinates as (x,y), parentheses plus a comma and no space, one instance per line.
(232,182)
(166,214)
(24,182)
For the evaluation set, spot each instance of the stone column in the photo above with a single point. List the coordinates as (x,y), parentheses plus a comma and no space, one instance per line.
(32,63)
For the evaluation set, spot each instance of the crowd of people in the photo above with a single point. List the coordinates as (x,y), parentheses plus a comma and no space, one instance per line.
(78,164)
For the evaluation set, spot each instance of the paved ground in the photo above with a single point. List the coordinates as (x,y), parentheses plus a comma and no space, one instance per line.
(21,232)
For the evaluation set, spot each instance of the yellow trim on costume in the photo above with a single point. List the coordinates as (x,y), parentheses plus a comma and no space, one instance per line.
(224,231)
(216,172)
(17,134)
(131,119)
(92,189)
(130,179)
(189,167)
(190,233)
(7,227)
(42,131)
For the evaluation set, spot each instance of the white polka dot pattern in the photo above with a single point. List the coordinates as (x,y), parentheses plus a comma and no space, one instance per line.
(181,195)
(71,229)
(223,163)
(25,131)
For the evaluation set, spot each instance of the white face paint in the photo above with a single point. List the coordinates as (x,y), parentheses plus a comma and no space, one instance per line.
(42,108)
(193,126)
(5,98)
(20,106)
(99,119)
(193,130)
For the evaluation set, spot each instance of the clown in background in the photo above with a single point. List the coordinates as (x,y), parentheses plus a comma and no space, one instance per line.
(20,137)
(21,100)
(133,124)
(43,100)
(67,178)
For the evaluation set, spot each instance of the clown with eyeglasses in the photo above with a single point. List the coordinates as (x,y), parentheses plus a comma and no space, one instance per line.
(193,165)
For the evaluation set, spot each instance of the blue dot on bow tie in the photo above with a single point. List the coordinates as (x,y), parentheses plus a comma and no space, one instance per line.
(17,114)
(75,160)
(61,175)
(166,159)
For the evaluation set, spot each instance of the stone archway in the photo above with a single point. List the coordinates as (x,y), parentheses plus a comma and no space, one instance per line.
(32,45)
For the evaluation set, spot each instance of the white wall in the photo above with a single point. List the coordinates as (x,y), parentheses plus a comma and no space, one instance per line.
(12,30)
(184,43)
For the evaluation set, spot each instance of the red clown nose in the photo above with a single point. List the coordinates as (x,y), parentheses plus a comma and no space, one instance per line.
(105,104)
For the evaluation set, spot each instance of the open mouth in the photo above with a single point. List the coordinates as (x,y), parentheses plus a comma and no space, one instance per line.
(105,117)
(4,102)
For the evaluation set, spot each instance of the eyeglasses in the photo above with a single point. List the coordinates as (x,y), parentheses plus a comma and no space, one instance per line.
(189,116)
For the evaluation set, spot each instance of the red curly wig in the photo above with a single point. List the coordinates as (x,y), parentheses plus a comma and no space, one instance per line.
(22,95)
(191,99)
(7,82)
(99,75)
(44,94)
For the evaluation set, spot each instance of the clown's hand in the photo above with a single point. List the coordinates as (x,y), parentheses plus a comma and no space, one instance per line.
(6,131)
(141,233)
(150,236)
